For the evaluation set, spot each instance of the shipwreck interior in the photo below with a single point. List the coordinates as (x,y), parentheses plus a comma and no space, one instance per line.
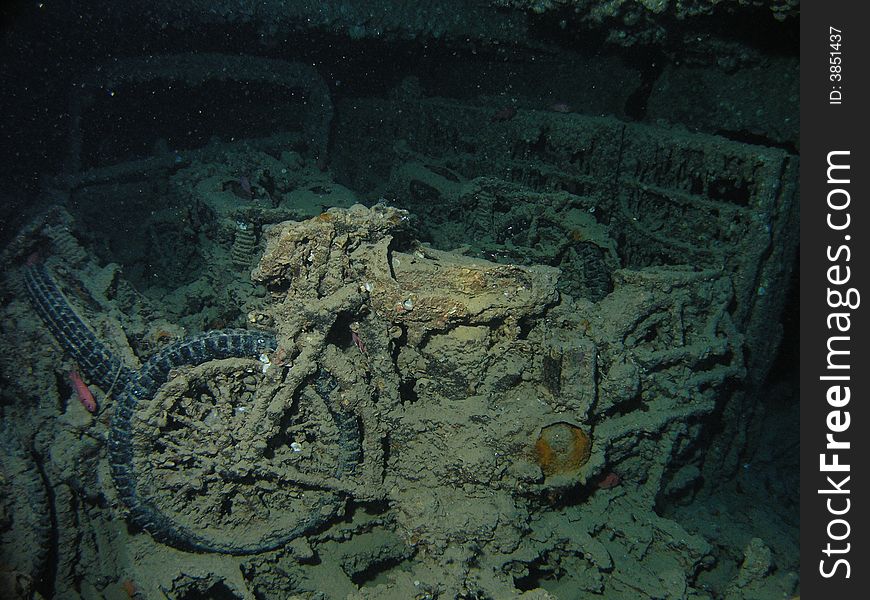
(489,299)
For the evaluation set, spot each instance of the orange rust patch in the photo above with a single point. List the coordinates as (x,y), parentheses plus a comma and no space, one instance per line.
(162,337)
(562,449)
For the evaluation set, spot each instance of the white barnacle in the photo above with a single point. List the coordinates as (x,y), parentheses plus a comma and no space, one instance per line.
(296,446)
(266,362)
